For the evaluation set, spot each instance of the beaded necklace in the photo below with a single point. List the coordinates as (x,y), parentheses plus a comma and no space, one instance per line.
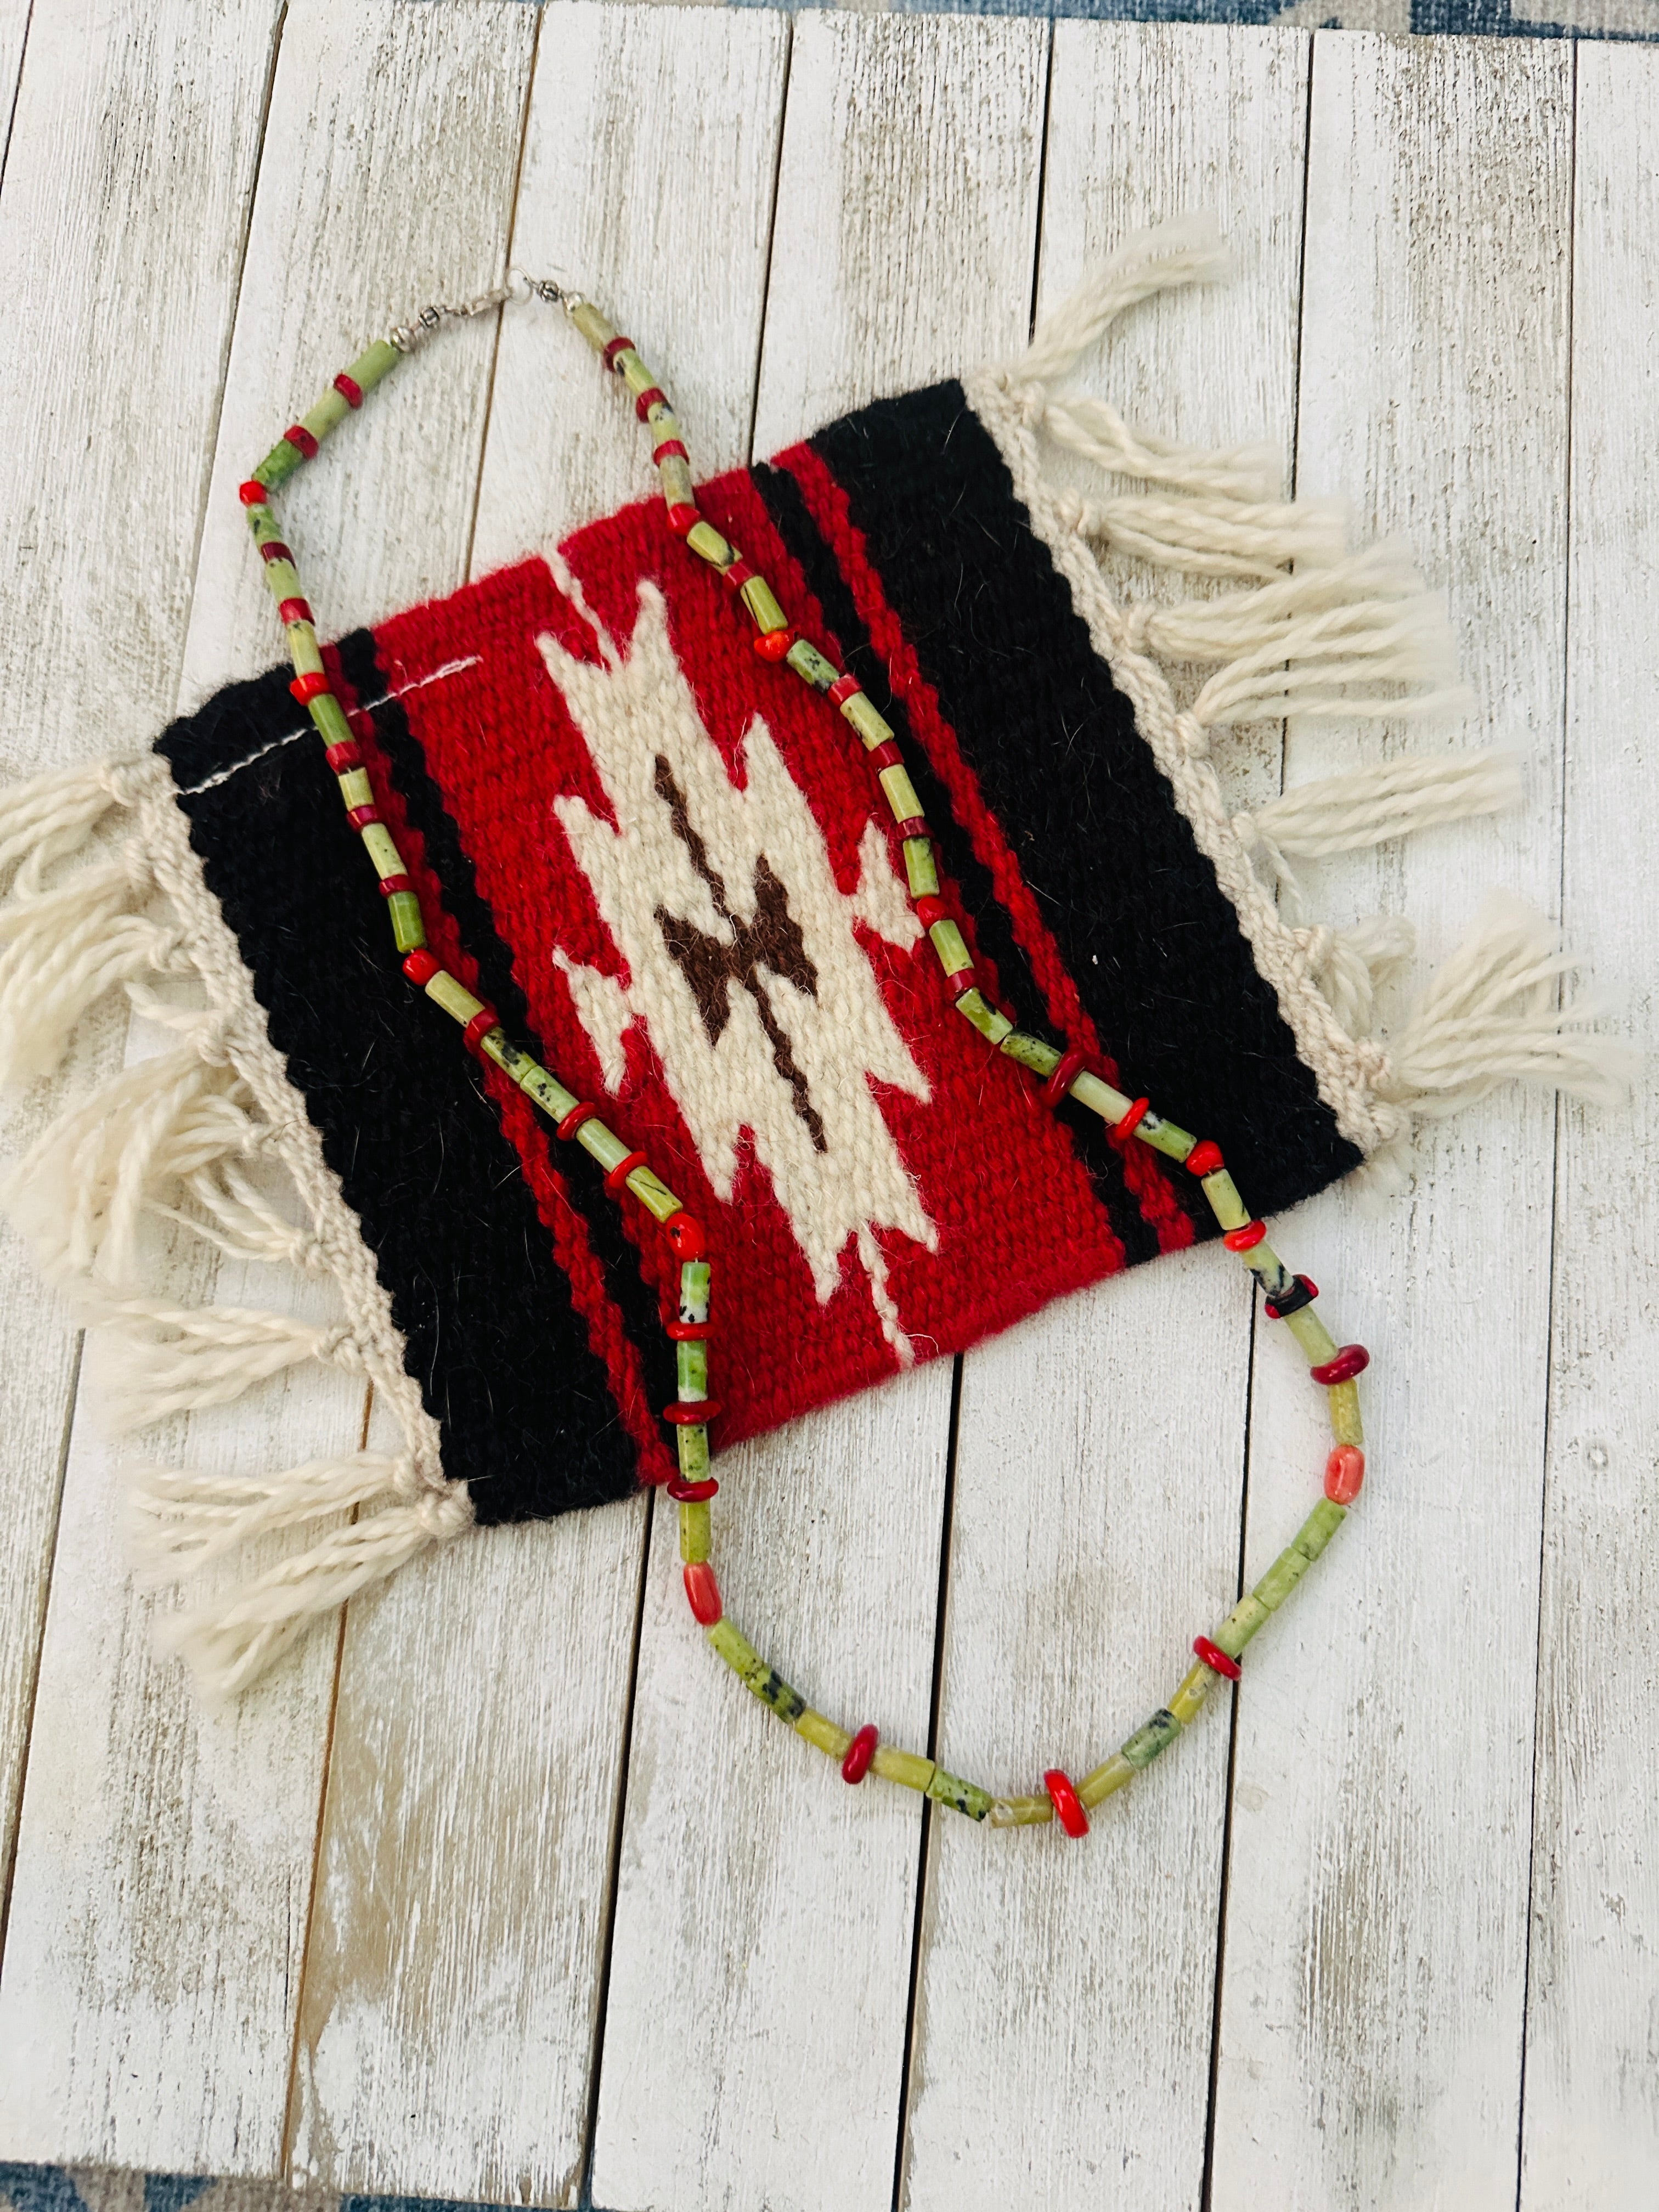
(1062,1073)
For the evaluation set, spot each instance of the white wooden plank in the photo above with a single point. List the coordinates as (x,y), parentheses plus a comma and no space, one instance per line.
(90,639)
(14,30)
(164,1867)
(119,252)
(448,2034)
(1591,2112)
(1076,1584)
(1375,1923)
(760,1967)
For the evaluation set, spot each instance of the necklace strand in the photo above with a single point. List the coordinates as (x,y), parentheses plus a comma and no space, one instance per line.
(1063,1073)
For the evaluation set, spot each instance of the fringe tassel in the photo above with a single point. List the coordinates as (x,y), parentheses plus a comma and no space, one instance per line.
(1341,813)
(1345,634)
(1494,1012)
(1311,629)
(181,1522)
(180,1136)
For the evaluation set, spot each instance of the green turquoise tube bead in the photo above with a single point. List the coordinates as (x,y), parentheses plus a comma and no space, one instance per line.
(1112,1774)
(592,324)
(990,1021)
(1145,1744)
(1299,1554)
(870,725)
(545,1090)
(692,1369)
(921,869)
(1165,1137)
(1093,1091)
(374,363)
(696,1276)
(278,465)
(756,1673)
(810,664)
(653,1194)
(328,718)
(1022,1811)
(327,415)
(1241,1625)
(408,930)
(695,1533)
(960,1796)
(691,1448)
(1035,1053)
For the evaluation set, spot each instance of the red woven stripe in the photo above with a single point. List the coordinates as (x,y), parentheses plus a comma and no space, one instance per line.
(560,1216)
(827,505)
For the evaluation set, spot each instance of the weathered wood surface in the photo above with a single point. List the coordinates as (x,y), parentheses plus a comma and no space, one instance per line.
(499,1893)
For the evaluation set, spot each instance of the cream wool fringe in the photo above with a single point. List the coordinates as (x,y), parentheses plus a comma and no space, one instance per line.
(108,892)
(1312,629)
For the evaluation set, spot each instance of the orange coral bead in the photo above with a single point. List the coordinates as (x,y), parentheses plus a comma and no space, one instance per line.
(702,1593)
(1344,1470)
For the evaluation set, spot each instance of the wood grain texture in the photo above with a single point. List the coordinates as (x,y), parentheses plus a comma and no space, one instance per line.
(387,181)
(1375,1946)
(164,1875)
(1059,1640)
(643,191)
(1591,2133)
(133,148)
(453,1984)
(761,1969)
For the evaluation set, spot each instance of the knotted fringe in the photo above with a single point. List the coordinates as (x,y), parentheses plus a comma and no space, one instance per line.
(1310,628)
(181,1522)
(105,892)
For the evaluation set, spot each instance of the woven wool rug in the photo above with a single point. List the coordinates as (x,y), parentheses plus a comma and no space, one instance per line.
(659,858)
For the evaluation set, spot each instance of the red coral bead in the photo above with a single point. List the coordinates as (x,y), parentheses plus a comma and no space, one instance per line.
(692,1493)
(309,687)
(692,1412)
(843,689)
(1352,1359)
(1069,1810)
(690,1332)
(653,397)
(964,981)
(1132,1121)
(930,910)
(885,754)
(478,1028)
(294,611)
(343,757)
(616,346)
(860,1753)
(670,449)
(682,519)
(421,968)
(1071,1066)
(391,884)
(624,1168)
(702,1593)
(774,644)
(1204,1159)
(1344,1470)
(301,440)
(1247,1238)
(737,574)
(573,1119)
(252,493)
(915,827)
(349,389)
(1215,1658)
(360,818)
(274,550)
(685,1236)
